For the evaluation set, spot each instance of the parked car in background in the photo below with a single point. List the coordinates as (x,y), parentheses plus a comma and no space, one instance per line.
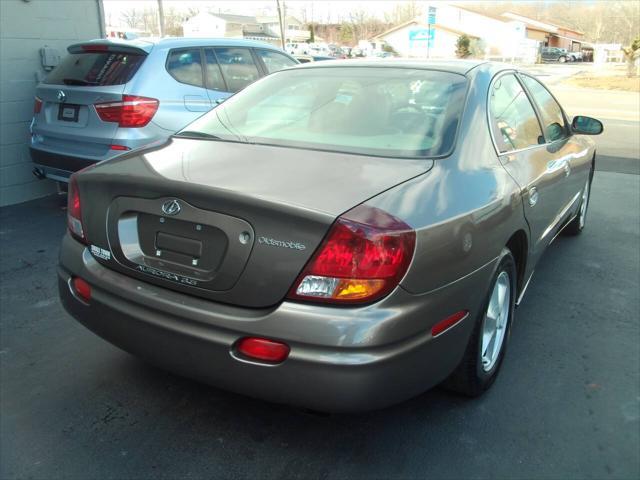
(555,54)
(111,96)
(339,236)
(575,56)
(297,48)
(312,58)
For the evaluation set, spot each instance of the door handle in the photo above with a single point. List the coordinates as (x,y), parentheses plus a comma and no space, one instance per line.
(534,196)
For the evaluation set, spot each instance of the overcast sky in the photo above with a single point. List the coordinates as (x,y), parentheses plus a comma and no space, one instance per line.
(323,11)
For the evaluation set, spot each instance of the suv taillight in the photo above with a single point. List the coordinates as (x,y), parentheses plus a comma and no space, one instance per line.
(37,105)
(131,111)
(74,215)
(364,256)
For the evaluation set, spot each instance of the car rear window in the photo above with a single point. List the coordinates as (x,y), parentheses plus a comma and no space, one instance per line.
(95,68)
(393,112)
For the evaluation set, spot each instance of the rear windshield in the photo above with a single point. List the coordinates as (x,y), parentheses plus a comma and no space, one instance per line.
(394,112)
(95,68)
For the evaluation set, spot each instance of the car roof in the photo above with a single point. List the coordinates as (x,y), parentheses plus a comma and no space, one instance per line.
(147,43)
(454,66)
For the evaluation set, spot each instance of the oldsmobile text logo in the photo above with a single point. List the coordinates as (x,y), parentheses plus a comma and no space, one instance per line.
(281,243)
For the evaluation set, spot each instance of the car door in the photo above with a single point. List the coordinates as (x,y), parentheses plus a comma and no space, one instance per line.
(566,152)
(185,66)
(522,149)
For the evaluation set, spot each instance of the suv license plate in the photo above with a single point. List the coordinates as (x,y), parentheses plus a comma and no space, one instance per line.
(68,113)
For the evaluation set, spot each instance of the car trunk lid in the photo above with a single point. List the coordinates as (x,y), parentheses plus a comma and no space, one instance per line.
(230,222)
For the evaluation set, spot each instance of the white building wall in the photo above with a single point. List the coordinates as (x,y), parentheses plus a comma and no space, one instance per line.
(204,25)
(25,27)
(443,45)
(504,39)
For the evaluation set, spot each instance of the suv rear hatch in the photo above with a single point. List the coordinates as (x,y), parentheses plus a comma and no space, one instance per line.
(247,219)
(92,73)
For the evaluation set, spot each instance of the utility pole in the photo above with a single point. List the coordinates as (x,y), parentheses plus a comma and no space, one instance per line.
(281,18)
(161,18)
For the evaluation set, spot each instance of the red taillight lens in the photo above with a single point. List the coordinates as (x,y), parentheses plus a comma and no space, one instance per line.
(82,288)
(37,105)
(364,256)
(263,349)
(121,148)
(131,112)
(74,215)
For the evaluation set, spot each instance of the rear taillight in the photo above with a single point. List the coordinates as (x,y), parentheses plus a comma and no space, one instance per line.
(131,111)
(364,256)
(74,216)
(37,105)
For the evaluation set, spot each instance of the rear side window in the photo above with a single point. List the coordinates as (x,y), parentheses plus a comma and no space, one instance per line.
(95,68)
(275,61)
(555,127)
(513,119)
(237,66)
(186,66)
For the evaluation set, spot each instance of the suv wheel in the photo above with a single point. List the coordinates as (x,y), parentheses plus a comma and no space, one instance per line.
(562,59)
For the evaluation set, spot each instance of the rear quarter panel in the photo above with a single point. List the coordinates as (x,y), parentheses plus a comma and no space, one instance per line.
(465,209)
(153,80)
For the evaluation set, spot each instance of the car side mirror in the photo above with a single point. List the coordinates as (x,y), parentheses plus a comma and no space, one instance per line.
(586,125)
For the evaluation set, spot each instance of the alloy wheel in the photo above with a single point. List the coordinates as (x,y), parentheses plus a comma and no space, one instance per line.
(494,325)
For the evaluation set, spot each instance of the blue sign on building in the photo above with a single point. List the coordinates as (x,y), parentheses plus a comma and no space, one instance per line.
(422,35)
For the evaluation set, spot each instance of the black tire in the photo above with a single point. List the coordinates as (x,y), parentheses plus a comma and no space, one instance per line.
(470,377)
(575,226)
(562,59)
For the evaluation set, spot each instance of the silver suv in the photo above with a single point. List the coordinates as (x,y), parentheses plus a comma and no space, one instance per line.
(111,96)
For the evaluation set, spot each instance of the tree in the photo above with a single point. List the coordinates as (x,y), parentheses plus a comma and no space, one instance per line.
(131,17)
(477,48)
(462,46)
(403,12)
(631,55)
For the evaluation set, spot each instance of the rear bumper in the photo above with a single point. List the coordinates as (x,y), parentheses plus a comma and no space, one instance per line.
(344,363)
(57,166)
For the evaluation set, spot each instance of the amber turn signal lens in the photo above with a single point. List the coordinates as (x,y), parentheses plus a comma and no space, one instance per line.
(354,289)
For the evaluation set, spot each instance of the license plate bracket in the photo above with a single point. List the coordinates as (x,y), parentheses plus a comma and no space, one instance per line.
(68,112)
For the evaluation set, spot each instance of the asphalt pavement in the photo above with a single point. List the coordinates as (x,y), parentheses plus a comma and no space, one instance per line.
(566,405)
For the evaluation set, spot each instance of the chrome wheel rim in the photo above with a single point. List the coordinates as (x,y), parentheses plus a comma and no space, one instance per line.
(494,325)
(583,206)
